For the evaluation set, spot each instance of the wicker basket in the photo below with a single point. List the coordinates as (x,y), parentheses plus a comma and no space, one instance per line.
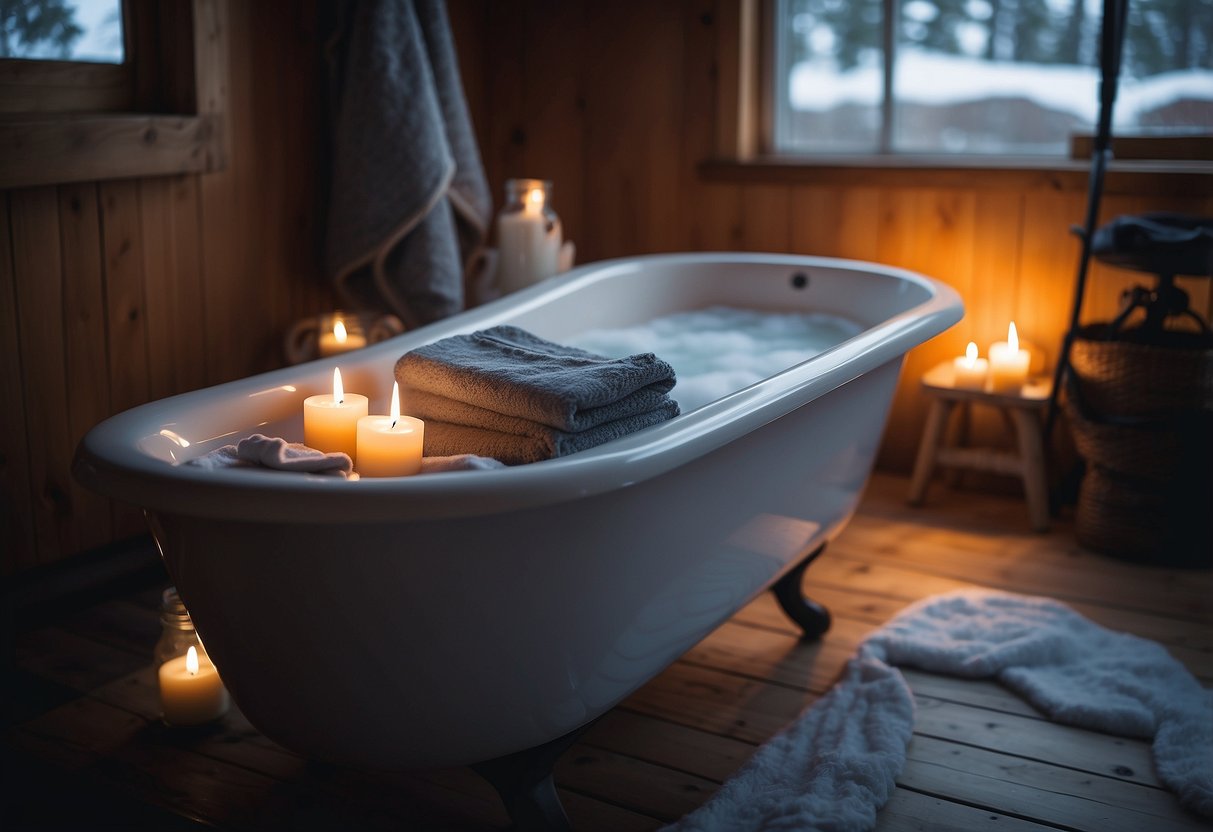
(1122,378)
(1142,418)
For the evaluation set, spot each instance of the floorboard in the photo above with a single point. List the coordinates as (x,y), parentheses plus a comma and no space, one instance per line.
(82,722)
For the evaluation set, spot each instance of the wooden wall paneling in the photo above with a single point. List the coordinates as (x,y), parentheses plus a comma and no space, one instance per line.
(1048,263)
(278,162)
(929,231)
(305,114)
(172,285)
(859,231)
(86,346)
(38,265)
(16,508)
(836,222)
(994,288)
(766,217)
(709,216)
(998,230)
(160,287)
(126,313)
(470,30)
(236,329)
(633,83)
(715,218)
(554,104)
(212,80)
(283,58)
(816,220)
(505,87)
(186,229)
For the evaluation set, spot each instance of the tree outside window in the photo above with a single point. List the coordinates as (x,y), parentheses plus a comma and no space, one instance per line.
(981,76)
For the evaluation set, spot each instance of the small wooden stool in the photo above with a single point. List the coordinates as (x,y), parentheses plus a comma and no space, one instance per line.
(1023,410)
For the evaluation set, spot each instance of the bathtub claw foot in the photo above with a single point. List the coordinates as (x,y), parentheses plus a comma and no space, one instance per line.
(812,618)
(524,782)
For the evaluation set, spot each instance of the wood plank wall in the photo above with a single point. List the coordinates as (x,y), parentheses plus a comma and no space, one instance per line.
(114,293)
(615,102)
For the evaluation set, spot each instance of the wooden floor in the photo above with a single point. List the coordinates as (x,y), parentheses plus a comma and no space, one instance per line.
(85,749)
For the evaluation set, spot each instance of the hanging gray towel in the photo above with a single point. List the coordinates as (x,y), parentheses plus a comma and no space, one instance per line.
(409,207)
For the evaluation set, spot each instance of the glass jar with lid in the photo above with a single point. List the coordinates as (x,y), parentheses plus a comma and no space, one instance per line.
(191,691)
(529,235)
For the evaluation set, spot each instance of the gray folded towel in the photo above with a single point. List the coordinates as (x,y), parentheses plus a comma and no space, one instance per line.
(260,451)
(535,442)
(511,372)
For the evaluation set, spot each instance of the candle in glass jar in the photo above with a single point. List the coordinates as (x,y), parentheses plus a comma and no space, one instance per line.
(969,370)
(330,422)
(339,340)
(528,240)
(191,691)
(1008,364)
(390,446)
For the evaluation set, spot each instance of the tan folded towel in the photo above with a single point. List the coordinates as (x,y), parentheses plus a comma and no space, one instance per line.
(534,442)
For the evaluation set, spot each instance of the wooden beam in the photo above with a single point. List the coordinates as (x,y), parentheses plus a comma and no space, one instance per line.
(1169,179)
(87,149)
(185,132)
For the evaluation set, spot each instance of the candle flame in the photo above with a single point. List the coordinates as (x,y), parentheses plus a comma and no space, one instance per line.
(1012,338)
(971,355)
(339,331)
(395,411)
(191,661)
(338,390)
(534,201)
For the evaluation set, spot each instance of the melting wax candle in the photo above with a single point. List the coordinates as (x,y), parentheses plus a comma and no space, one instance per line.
(340,339)
(191,691)
(390,446)
(970,371)
(1008,364)
(330,422)
(528,236)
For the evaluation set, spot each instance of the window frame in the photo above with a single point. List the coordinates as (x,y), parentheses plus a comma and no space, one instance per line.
(161,112)
(756,125)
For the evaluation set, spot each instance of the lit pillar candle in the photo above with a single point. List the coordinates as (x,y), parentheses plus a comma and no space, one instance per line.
(339,340)
(528,243)
(390,446)
(330,423)
(970,371)
(191,691)
(1008,364)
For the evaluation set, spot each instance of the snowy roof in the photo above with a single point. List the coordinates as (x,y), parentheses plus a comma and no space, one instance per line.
(936,78)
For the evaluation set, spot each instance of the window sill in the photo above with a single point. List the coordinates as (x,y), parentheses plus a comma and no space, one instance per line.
(175,124)
(1193,179)
(54,150)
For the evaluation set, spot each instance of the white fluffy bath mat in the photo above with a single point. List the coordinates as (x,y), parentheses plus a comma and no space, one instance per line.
(835,766)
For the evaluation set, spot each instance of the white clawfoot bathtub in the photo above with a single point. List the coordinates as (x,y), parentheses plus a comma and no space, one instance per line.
(452,618)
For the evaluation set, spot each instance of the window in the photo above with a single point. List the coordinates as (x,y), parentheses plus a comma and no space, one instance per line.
(980,76)
(65,30)
(68,113)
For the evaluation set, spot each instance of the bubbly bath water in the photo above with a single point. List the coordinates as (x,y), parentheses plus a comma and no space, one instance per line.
(720,350)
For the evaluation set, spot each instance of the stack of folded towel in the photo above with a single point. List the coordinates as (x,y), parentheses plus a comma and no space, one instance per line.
(508,394)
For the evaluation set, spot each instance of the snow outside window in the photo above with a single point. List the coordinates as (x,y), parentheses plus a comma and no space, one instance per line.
(981,76)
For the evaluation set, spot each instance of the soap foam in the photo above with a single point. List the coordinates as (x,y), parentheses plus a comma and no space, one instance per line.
(719,350)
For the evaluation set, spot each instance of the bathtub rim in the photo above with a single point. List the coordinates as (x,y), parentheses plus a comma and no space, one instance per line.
(109,461)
